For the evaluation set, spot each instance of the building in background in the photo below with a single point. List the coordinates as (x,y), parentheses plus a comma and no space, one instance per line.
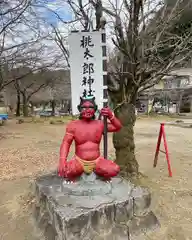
(172,94)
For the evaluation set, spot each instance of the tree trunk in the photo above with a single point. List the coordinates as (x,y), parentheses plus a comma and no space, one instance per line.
(124,140)
(53,107)
(180,102)
(190,104)
(18,104)
(32,108)
(25,106)
(44,106)
(62,103)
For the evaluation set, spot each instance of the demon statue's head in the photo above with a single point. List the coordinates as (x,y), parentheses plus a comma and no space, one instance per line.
(87,108)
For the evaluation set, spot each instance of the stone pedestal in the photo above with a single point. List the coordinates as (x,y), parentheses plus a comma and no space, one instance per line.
(91,209)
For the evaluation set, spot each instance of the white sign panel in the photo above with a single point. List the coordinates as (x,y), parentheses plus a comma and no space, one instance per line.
(86,63)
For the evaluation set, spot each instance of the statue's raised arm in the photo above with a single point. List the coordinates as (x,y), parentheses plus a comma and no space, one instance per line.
(114,125)
(87,134)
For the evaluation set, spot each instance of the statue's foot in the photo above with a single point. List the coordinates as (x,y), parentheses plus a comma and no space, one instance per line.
(68,181)
(107,180)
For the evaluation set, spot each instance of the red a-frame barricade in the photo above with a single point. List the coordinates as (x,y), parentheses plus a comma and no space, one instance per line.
(162,134)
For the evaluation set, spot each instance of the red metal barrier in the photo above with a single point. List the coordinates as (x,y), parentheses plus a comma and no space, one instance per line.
(166,152)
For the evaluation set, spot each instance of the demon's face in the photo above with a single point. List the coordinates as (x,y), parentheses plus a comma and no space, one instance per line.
(87,109)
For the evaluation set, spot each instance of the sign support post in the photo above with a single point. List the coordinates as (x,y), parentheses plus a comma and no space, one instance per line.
(105,94)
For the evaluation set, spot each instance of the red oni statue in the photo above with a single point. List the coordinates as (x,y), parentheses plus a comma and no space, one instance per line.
(87,133)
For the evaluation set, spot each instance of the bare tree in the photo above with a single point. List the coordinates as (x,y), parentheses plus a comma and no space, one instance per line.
(29,81)
(60,40)
(10,16)
(21,33)
(148,48)
(24,52)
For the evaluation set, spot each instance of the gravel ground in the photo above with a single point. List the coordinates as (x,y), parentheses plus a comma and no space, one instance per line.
(30,148)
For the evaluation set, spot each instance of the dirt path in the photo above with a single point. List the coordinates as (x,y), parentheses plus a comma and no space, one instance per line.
(27,149)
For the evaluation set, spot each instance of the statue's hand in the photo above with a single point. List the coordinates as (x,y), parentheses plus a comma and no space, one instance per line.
(106,111)
(61,168)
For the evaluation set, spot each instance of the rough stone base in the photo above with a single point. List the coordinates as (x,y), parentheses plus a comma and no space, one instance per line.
(93,210)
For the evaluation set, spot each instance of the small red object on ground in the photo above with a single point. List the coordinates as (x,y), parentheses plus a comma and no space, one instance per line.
(162,134)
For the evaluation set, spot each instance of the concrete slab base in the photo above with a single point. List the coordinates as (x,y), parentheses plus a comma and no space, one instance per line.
(92,209)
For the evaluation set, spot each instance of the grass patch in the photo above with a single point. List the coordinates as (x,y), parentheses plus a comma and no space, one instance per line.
(51,120)
(154,116)
(60,120)
(1,122)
